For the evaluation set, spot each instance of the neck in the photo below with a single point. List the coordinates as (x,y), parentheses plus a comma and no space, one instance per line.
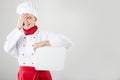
(30,31)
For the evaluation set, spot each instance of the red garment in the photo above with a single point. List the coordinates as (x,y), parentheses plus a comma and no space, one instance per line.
(29,73)
(30,31)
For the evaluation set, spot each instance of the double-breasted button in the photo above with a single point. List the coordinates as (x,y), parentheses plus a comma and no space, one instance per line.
(23,45)
(23,62)
(34,37)
(32,53)
(32,63)
(24,37)
(23,54)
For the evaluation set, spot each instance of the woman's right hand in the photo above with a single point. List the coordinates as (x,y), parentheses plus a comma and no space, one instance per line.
(21,20)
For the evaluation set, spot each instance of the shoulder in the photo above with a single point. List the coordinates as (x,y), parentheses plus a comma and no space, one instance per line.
(49,33)
(44,32)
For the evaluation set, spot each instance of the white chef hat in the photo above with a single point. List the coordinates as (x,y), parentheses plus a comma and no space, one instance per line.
(27,7)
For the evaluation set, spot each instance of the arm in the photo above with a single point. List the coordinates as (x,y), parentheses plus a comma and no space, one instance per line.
(11,42)
(54,40)
(12,39)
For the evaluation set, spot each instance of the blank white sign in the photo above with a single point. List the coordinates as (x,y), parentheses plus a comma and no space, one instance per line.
(50,58)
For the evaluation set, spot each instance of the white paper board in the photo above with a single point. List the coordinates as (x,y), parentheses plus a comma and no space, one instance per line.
(50,58)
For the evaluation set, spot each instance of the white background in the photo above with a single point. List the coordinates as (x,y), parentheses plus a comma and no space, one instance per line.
(92,25)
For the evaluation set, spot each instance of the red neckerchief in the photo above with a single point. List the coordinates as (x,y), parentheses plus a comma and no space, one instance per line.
(30,31)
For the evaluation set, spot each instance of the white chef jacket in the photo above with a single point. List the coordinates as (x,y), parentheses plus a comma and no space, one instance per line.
(20,46)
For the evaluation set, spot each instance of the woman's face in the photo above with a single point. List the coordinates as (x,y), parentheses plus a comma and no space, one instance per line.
(29,21)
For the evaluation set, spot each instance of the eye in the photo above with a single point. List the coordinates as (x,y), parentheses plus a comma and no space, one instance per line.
(30,18)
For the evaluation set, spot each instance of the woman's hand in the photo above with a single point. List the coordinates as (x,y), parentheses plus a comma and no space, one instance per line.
(41,44)
(21,20)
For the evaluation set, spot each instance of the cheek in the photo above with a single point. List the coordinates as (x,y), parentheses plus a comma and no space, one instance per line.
(32,22)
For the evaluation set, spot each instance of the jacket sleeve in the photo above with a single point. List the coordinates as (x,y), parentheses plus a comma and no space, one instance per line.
(10,46)
(59,40)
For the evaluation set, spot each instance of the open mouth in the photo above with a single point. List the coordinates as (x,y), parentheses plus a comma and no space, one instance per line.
(26,24)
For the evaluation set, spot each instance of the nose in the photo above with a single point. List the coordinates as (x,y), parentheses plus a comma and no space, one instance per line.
(26,20)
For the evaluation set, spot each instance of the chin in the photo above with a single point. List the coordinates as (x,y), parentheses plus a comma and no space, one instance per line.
(27,27)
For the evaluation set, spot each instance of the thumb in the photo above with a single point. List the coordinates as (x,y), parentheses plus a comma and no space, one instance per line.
(34,47)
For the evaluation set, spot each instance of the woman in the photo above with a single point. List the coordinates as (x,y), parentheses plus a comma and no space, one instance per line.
(26,38)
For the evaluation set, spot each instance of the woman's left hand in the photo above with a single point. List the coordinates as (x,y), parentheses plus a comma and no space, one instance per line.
(41,44)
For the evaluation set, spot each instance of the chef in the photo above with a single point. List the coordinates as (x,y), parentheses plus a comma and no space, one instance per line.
(26,38)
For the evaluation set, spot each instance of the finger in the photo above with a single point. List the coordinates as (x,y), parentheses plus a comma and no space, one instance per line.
(21,18)
(34,48)
(24,16)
